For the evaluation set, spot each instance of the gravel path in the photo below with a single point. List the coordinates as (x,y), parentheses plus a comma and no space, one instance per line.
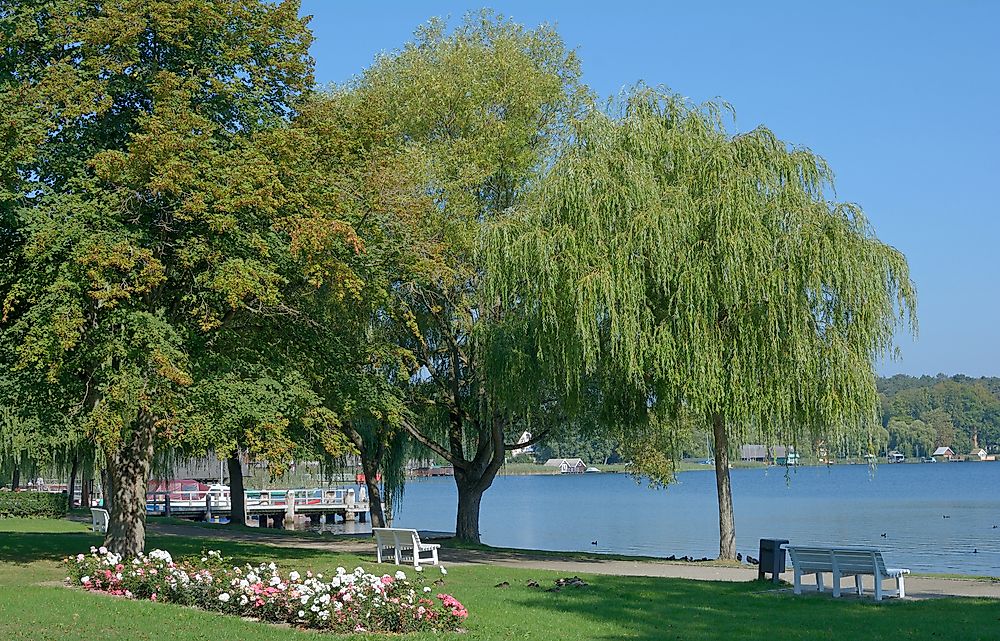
(916,587)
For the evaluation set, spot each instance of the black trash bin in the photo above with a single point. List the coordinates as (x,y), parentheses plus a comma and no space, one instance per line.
(772,558)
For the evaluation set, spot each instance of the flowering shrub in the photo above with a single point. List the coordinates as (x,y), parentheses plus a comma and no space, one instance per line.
(347,602)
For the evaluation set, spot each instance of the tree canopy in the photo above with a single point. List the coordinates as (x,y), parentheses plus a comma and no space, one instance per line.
(705,275)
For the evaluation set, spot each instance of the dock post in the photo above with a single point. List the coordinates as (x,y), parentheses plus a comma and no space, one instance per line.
(166,506)
(289,509)
(208,508)
(349,513)
(322,519)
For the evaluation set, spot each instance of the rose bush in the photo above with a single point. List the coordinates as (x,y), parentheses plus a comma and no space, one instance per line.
(346,602)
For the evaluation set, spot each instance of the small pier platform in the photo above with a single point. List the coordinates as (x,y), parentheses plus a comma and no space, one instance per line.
(268,507)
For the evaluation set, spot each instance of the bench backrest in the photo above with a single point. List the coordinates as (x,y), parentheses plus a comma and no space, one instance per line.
(810,558)
(847,560)
(396,535)
(100,518)
(859,560)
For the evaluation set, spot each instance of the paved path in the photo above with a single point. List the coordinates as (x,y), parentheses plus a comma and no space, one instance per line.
(916,587)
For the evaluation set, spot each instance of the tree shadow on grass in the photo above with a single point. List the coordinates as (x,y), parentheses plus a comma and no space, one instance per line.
(22,547)
(648,608)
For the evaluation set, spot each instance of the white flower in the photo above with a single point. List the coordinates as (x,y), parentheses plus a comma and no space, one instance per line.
(418,569)
(302,613)
(161,555)
(427,589)
(400,575)
(224,597)
(85,580)
(274,580)
(244,600)
(294,576)
(443,570)
(103,550)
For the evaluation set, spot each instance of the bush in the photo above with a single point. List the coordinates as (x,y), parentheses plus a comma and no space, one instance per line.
(32,504)
(347,602)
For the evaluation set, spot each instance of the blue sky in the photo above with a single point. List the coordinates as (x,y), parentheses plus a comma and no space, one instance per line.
(899,97)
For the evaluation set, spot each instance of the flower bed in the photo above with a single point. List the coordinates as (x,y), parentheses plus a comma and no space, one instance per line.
(347,602)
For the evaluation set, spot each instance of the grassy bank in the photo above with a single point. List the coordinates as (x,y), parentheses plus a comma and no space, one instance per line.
(34,606)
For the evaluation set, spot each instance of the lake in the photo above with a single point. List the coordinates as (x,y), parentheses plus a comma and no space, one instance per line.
(841,504)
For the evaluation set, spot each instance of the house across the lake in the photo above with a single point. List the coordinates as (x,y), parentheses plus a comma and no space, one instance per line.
(979,454)
(784,455)
(568,465)
(945,453)
(753,453)
(895,456)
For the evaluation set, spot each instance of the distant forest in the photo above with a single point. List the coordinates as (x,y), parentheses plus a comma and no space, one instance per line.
(919,414)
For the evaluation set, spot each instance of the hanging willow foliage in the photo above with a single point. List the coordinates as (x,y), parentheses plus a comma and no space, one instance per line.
(704,274)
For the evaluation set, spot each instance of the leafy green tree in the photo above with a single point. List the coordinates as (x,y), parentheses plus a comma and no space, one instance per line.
(913,439)
(484,105)
(705,275)
(940,422)
(145,184)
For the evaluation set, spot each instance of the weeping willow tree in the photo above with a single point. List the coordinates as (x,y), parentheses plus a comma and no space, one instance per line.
(707,277)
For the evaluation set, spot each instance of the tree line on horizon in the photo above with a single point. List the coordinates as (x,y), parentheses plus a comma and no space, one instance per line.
(919,414)
(200,250)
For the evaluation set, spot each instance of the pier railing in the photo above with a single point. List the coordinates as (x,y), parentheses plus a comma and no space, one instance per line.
(217,502)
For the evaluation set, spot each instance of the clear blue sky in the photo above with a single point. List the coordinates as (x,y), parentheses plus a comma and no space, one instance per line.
(900,97)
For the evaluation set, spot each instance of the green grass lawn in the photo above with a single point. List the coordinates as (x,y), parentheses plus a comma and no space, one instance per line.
(33,605)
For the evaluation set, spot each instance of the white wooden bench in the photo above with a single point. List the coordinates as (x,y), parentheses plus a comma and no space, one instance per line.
(844,562)
(99,517)
(404,545)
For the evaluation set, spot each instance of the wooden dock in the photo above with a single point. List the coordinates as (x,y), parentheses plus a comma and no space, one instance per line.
(267,507)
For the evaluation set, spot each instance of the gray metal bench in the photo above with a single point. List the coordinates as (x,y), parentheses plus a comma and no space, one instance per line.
(843,562)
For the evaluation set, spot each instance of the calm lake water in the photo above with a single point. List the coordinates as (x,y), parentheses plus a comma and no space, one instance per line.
(842,504)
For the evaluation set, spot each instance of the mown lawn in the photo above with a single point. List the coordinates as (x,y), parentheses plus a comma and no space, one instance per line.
(33,605)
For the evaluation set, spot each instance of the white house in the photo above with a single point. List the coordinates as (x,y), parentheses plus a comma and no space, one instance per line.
(978,454)
(568,465)
(944,452)
(528,449)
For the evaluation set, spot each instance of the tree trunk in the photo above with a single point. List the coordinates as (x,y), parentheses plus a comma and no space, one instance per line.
(71,486)
(15,481)
(470,498)
(128,471)
(107,489)
(85,485)
(370,468)
(727,523)
(237,497)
